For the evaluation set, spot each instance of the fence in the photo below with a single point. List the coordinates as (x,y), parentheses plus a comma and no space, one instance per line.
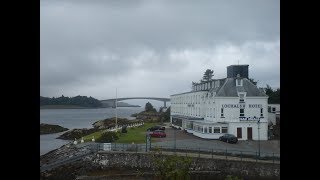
(198,152)
(227,154)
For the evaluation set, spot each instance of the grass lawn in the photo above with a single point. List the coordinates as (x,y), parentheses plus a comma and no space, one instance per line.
(136,134)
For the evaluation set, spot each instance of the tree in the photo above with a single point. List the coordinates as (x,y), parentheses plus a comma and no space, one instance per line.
(124,129)
(167,115)
(253,81)
(108,137)
(83,101)
(274,96)
(149,108)
(207,76)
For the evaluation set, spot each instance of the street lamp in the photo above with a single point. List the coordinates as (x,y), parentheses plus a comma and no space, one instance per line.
(259,136)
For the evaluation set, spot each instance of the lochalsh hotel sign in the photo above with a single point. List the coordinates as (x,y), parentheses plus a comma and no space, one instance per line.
(241,106)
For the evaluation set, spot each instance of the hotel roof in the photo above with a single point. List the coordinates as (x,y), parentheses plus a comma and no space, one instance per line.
(229,89)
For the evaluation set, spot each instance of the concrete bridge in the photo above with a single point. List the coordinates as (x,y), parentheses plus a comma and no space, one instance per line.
(165,100)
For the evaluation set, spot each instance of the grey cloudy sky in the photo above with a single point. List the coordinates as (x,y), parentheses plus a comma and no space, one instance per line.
(153,47)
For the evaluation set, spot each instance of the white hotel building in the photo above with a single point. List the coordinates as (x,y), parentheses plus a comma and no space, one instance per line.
(230,105)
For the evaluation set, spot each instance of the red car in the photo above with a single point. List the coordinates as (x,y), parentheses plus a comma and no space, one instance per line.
(158,133)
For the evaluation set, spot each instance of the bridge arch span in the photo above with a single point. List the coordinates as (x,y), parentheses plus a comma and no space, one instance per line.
(164,100)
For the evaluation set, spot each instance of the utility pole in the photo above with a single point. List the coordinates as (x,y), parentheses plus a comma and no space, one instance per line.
(116,112)
(259,136)
(174,129)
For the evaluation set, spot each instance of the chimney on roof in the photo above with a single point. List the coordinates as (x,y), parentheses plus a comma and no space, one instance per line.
(234,70)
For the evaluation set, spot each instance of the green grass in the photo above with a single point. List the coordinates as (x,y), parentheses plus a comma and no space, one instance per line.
(136,134)
(95,134)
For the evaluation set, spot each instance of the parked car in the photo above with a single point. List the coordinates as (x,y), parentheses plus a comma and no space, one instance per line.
(156,128)
(229,138)
(158,133)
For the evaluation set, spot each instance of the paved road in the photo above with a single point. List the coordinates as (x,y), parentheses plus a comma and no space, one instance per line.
(186,140)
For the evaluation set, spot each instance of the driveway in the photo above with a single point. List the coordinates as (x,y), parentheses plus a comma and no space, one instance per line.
(186,140)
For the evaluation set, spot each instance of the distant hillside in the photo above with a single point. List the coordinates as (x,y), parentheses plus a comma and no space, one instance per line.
(119,104)
(79,101)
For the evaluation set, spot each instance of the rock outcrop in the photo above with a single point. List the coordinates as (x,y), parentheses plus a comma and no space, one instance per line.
(51,128)
(77,133)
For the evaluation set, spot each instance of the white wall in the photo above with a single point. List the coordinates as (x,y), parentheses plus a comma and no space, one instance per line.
(232,114)
(272,118)
(263,130)
(206,135)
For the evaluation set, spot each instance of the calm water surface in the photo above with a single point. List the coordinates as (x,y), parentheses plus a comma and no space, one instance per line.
(76,118)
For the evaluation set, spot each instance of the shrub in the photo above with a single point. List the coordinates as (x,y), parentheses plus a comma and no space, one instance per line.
(108,137)
(124,129)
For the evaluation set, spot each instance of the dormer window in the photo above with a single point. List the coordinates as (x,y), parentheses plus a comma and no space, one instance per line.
(238,82)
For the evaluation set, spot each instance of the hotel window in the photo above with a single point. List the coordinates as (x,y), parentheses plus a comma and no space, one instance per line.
(224,129)
(241,97)
(241,112)
(216,129)
(261,112)
(210,129)
(205,129)
(222,115)
(273,109)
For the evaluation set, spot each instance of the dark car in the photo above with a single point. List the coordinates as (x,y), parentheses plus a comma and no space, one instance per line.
(156,128)
(229,138)
(158,133)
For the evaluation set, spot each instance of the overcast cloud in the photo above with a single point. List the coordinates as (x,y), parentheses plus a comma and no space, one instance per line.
(153,47)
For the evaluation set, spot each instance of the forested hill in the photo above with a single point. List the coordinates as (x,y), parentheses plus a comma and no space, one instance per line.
(82,101)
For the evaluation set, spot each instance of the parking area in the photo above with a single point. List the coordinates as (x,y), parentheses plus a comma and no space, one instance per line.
(186,140)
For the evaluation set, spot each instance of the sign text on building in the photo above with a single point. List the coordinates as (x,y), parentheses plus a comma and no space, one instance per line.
(242,106)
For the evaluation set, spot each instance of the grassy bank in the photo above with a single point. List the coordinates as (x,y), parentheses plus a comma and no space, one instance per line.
(135,134)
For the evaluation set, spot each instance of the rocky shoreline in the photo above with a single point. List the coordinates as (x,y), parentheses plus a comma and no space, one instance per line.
(51,128)
(97,126)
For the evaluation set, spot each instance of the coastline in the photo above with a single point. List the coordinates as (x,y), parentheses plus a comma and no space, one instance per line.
(76,107)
